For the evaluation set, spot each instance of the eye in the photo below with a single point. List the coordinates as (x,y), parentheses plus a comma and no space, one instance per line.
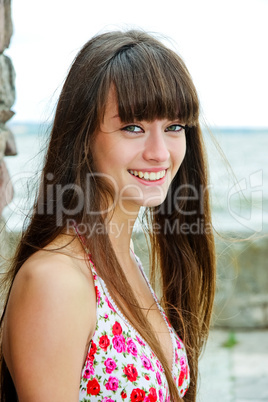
(132,129)
(175,128)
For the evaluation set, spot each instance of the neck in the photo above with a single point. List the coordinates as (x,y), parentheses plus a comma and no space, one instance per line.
(120,230)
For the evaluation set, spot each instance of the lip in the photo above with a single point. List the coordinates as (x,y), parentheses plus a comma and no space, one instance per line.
(156,169)
(151,183)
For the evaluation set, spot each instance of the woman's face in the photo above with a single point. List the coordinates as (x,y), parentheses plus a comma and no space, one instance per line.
(139,158)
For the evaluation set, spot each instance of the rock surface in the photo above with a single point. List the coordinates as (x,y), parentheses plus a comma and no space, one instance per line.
(6,188)
(7,99)
(241,300)
(11,149)
(7,85)
(6,28)
(242,284)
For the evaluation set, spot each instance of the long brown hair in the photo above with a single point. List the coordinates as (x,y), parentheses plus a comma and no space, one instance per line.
(151,81)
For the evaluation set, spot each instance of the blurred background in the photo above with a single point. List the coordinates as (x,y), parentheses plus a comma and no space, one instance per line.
(224,45)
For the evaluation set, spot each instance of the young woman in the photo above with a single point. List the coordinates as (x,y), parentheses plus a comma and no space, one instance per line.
(81,321)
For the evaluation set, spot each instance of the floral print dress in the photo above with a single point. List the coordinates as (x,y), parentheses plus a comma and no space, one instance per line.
(120,366)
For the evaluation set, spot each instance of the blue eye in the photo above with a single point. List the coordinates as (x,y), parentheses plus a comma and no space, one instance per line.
(175,128)
(132,129)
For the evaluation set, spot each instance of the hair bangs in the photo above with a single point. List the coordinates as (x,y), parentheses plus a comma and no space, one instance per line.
(153,83)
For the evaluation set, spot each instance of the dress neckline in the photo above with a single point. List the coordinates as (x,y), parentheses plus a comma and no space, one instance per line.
(126,321)
(117,309)
(162,312)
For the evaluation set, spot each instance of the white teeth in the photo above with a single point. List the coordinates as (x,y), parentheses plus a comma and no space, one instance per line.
(146,175)
(150,176)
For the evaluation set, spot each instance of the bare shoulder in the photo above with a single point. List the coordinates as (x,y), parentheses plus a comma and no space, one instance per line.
(54,275)
(48,266)
(50,318)
(52,282)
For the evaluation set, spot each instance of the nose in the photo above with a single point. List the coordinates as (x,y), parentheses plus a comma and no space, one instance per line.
(155,148)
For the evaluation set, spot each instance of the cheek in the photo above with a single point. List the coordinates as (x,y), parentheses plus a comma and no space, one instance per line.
(179,152)
(111,161)
(103,156)
(111,153)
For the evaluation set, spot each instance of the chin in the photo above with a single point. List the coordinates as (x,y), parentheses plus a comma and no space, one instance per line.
(152,203)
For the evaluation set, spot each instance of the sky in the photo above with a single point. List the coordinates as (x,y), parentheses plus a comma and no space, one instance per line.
(223,43)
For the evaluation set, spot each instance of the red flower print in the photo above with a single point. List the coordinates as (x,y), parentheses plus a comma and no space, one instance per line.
(140,341)
(89,371)
(158,377)
(92,351)
(184,371)
(181,378)
(123,395)
(146,362)
(109,304)
(104,342)
(183,363)
(161,396)
(110,365)
(137,395)
(147,377)
(176,357)
(112,384)
(159,365)
(93,387)
(131,372)
(117,329)
(97,294)
(152,394)
(119,343)
(131,347)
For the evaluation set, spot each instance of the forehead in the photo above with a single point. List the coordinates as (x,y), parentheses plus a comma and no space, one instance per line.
(110,118)
(111,106)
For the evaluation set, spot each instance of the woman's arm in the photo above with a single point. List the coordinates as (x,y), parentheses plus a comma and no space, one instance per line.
(49,322)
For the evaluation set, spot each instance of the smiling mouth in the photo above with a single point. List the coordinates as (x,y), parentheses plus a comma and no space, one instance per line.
(149,176)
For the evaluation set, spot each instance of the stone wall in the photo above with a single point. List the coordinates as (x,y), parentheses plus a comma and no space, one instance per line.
(241,299)
(242,283)
(7,99)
